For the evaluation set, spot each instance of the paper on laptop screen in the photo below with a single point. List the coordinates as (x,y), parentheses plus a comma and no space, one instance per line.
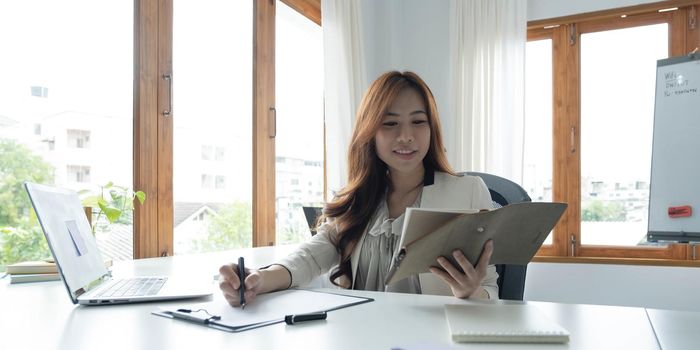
(69,235)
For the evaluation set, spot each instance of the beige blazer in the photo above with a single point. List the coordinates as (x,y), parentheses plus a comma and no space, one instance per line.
(318,255)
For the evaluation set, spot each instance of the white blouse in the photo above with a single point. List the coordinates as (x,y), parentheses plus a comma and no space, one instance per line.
(379,246)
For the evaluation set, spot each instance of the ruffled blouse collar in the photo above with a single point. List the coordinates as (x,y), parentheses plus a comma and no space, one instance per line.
(383,225)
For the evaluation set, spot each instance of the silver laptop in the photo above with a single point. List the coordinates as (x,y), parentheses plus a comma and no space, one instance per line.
(80,262)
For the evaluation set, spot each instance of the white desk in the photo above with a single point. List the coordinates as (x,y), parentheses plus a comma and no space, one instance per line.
(41,316)
(676,329)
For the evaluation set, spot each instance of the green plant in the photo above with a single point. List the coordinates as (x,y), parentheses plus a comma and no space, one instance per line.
(112,201)
(597,210)
(230,228)
(20,235)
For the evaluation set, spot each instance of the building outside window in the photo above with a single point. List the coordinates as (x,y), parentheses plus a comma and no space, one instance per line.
(78,173)
(78,138)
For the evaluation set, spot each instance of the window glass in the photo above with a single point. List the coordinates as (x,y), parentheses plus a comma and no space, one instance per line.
(299,104)
(618,72)
(66,113)
(212,112)
(537,147)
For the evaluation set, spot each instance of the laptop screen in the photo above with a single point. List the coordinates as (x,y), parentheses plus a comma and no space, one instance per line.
(69,236)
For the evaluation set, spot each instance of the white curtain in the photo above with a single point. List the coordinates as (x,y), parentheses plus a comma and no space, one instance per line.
(488,49)
(345,81)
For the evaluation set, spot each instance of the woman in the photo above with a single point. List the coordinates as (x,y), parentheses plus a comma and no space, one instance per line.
(396,160)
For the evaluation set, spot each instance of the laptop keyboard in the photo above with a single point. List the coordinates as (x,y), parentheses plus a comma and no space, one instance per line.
(133,287)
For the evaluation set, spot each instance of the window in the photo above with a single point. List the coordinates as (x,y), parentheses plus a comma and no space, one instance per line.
(78,173)
(220,182)
(220,154)
(207,181)
(212,73)
(40,91)
(602,105)
(615,212)
(78,138)
(537,150)
(213,58)
(206,152)
(299,111)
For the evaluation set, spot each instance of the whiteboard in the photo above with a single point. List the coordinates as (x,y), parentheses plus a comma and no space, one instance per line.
(675,162)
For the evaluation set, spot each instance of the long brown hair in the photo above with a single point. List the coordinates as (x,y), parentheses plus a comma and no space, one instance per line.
(368,179)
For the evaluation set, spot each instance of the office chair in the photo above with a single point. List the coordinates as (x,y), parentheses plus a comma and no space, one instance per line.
(311,214)
(511,278)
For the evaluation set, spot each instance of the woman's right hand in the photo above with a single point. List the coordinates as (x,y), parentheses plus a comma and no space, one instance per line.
(230,283)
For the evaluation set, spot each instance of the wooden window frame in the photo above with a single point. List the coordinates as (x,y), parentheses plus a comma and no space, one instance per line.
(153,131)
(153,154)
(565,33)
(264,123)
(310,9)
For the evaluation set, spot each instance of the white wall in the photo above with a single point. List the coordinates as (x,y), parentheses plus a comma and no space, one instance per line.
(543,9)
(414,35)
(657,287)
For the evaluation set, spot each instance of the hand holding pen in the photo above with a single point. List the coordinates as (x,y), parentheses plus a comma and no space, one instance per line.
(238,284)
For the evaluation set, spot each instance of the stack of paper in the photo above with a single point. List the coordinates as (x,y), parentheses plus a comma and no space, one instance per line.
(32,271)
(36,271)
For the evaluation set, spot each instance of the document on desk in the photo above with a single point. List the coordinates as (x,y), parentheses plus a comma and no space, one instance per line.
(267,309)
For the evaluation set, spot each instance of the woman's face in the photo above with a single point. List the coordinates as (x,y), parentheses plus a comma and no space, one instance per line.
(403,139)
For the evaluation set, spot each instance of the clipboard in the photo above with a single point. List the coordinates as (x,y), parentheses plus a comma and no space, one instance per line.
(517,230)
(267,309)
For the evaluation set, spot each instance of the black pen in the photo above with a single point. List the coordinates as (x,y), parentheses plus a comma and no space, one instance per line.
(293,319)
(241,277)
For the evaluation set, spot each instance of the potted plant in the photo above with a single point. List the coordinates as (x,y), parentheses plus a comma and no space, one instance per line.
(110,201)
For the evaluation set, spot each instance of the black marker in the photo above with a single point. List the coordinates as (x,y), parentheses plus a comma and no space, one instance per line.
(293,319)
(241,277)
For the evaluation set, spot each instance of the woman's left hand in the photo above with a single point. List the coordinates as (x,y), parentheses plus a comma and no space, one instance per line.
(465,284)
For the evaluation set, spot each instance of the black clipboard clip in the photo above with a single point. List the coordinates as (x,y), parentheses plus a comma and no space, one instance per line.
(189,315)
(204,318)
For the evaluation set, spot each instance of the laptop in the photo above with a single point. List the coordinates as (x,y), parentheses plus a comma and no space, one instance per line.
(80,262)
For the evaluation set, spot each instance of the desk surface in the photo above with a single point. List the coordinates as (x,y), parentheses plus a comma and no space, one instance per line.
(41,316)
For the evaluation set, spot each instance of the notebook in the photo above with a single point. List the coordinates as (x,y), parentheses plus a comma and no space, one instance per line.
(502,323)
(80,262)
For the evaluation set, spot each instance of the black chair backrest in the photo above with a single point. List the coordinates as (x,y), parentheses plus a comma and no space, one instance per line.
(312,214)
(511,278)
